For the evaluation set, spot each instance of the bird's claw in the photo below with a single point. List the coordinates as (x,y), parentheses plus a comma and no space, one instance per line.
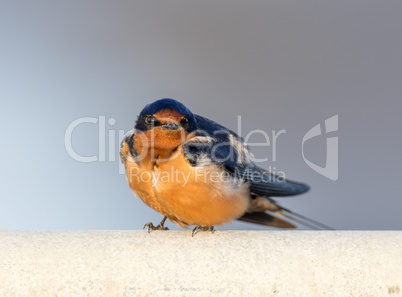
(151,227)
(199,228)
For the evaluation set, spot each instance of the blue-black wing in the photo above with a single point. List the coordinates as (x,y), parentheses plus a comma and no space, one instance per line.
(226,149)
(264,183)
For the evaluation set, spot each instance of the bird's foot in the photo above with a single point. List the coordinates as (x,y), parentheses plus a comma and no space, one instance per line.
(199,228)
(151,226)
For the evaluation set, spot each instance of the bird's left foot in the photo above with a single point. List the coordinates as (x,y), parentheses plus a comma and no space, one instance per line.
(199,228)
(161,226)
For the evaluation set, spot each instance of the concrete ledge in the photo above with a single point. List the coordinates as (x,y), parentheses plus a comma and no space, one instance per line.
(226,263)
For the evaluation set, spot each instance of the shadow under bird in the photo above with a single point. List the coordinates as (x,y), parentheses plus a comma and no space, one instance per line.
(196,172)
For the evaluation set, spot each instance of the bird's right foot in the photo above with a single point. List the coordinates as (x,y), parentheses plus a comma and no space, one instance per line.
(199,228)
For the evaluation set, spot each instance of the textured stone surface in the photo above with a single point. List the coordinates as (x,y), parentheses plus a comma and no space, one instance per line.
(226,263)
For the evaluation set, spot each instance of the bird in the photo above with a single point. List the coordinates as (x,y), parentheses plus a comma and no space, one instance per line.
(196,172)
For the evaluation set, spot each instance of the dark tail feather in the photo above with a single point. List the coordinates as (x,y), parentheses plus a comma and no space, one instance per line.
(305,221)
(263,218)
(266,219)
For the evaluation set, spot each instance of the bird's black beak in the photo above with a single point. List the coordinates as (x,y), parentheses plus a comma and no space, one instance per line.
(170,126)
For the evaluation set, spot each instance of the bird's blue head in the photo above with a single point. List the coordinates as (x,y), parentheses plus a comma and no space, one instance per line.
(166,114)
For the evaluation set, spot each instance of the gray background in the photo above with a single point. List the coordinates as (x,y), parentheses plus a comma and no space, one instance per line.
(279,64)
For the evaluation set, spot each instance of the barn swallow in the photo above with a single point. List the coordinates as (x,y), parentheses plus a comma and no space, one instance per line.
(194,171)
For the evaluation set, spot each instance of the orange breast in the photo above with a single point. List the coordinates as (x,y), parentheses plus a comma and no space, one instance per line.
(199,196)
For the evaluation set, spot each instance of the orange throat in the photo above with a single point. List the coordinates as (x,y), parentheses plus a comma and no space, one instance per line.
(159,143)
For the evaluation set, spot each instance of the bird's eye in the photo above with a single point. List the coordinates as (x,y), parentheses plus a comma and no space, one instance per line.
(149,120)
(184,120)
